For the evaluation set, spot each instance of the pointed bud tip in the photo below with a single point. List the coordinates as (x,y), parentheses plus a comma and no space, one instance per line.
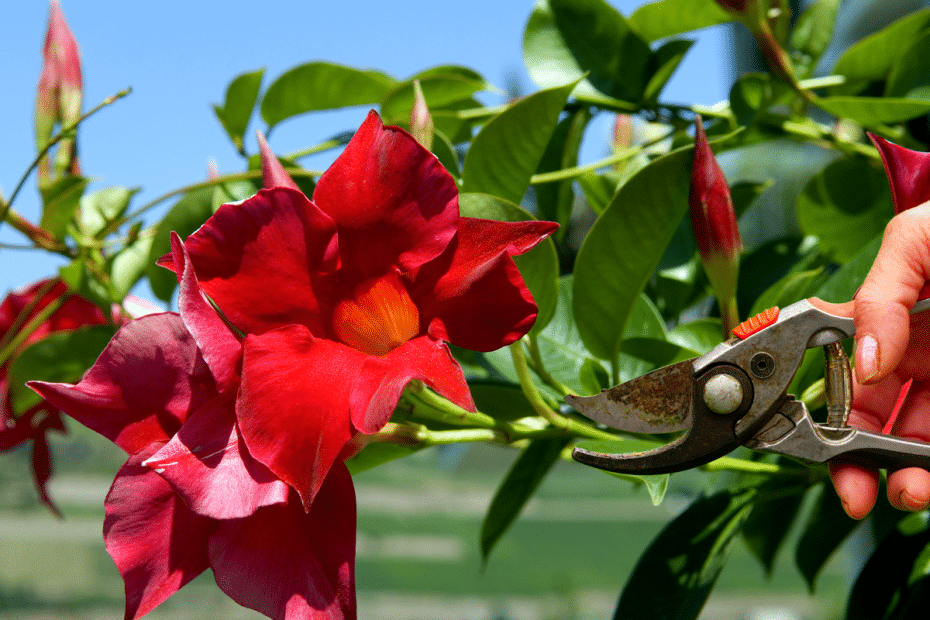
(273,173)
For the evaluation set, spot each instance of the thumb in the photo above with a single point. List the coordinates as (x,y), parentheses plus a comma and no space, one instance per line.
(891,288)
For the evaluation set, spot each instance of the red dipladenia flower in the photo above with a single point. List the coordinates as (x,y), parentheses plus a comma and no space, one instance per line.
(16,312)
(237,424)
(908,173)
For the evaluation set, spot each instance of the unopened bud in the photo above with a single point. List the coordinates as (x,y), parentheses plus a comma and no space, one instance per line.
(421,122)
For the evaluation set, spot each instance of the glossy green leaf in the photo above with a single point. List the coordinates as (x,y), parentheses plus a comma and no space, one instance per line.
(441,86)
(812,34)
(843,284)
(129,264)
(893,583)
(60,200)
(700,335)
(909,76)
(755,92)
(656,485)
(845,206)
(501,401)
(624,246)
(236,111)
(657,352)
(100,208)
(662,64)
(792,288)
(60,357)
(666,18)
(81,280)
(870,111)
(555,200)
(593,377)
(322,86)
(518,487)
(599,188)
(764,267)
(186,216)
(539,267)
(550,63)
(772,516)
(827,527)
(676,574)
(872,58)
(508,149)
(375,454)
(604,45)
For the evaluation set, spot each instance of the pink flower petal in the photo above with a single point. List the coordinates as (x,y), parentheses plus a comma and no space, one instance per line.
(157,543)
(292,565)
(392,201)
(219,346)
(273,173)
(474,295)
(382,379)
(142,387)
(908,173)
(211,470)
(261,261)
(293,405)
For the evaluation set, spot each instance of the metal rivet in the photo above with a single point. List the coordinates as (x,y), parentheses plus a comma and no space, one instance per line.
(723,394)
(762,365)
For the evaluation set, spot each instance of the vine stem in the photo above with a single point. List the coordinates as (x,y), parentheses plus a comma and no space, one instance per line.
(577,171)
(22,335)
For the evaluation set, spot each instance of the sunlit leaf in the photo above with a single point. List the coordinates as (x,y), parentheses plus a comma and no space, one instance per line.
(100,208)
(60,200)
(556,199)
(236,111)
(870,111)
(909,77)
(812,34)
(666,18)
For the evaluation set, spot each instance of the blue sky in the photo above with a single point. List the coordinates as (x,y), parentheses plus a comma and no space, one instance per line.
(179,57)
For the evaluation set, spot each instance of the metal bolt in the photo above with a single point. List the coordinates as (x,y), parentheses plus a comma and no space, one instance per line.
(762,365)
(723,394)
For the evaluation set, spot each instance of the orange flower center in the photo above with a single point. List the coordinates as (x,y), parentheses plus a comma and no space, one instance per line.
(378,318)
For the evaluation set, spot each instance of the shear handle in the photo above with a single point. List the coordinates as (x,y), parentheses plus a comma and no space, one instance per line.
(818,443)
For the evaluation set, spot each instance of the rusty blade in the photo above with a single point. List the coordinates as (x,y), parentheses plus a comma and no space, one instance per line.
(657,402)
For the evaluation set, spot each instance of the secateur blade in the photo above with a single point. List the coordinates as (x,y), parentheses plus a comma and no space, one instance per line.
(657,402)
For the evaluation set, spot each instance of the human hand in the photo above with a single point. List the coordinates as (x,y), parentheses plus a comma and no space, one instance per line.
(892,347)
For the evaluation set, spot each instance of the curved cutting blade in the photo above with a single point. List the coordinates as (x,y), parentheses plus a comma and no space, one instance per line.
(657,402)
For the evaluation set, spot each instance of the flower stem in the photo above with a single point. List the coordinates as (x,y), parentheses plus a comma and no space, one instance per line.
(728,463)
(13,345)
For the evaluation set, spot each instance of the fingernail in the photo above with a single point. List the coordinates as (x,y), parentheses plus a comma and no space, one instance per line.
(866,358)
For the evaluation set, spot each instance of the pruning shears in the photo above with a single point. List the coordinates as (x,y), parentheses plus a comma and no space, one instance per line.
(736,394)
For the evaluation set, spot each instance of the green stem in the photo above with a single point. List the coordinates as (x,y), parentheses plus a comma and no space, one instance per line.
(481,112)
(316,148)
(11,347)
(577,171)
(429,405)
(417,434)
(728,463)
(536,363)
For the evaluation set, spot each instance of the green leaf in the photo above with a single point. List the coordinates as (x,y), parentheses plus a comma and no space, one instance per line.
(501,401)
(100,208)
(375,454)
(894,579)
(657,352)
(129,265)
(508,149)
(599,188)
(186,216)
(539,267)
(322,86)
(872,58)
(656,485)
(666,18)
(601,41)
(676,574)
(61,357)
(79,278)
(700,335)
(517,488)
(550,63)
(870,111)
(909,76)
(60,200)
(624,246)
(442,86)
(812,34)
(555,200)
(845,206)
(662,65)
(236,111)
(827,527)
(771,518)
(764,267)
(843,284)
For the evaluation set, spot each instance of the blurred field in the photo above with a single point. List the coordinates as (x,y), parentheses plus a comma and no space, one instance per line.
(418,555)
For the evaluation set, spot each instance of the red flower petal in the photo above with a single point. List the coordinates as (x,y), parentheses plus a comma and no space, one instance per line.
(291,565)
(293,405)
(908,173)
(392,201)
(382,379)
(273,173)
(218,345)
(142,387)
(261,260)
(211,470)
(157,543)
(474,295)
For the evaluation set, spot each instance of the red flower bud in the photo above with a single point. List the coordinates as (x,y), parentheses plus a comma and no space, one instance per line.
(736,6)
(714,223)
(908,173)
